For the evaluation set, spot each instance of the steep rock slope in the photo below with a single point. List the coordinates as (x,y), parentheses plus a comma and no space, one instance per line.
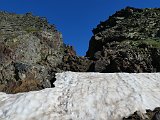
(128,41)
(72,62)
(30,49)
(86,96)
(31,52)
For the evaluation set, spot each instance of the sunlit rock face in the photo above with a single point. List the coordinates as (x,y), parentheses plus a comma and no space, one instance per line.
(85,96)
(30,48)
(31,52)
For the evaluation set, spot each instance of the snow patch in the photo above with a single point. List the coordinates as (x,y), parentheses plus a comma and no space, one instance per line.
(85,96)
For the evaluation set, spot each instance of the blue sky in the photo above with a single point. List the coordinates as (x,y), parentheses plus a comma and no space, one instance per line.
(75,19)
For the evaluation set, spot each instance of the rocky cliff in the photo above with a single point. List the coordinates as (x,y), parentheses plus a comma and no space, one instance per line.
(128,41)
(32,50)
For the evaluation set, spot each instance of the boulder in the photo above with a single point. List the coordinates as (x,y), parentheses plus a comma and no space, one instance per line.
(149,115)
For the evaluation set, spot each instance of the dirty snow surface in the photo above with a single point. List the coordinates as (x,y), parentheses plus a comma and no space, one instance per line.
(85,96)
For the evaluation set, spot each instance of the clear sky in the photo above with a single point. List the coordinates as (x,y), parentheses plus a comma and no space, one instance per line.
(75,19)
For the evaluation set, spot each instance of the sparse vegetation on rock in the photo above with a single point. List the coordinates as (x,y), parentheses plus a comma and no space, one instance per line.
(29,49)
(32,49)
(128,41)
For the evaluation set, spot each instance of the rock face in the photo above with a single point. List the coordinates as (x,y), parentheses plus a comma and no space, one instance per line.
(30,49)
(72,62)
(149,115)
(87,96)
(129,41)
(31,52)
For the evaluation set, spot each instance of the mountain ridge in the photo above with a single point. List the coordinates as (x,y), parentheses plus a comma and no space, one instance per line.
(32,50)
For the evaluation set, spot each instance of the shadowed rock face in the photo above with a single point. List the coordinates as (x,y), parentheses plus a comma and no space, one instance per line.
(150,115)
(72,62)
(128,41)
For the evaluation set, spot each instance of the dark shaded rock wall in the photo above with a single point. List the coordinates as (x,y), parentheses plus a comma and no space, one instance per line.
(72,62)
(128,41)
(150,115)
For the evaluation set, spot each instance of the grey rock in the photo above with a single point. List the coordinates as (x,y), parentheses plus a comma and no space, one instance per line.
(29,48)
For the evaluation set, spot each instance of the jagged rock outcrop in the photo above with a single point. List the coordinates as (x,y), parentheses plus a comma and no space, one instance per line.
(129,41)
(31,52)
(30,49)
(86,96)
(72,62)
(149,115)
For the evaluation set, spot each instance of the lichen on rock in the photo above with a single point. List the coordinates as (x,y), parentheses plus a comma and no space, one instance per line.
(29,48)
